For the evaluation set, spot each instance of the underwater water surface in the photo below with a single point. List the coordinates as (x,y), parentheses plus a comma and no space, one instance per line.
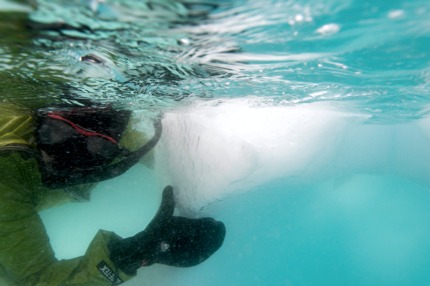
(302,125)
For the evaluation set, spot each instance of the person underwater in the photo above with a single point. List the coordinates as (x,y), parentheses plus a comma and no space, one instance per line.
(55,153)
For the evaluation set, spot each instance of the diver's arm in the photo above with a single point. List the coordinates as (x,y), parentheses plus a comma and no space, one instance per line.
(26,255)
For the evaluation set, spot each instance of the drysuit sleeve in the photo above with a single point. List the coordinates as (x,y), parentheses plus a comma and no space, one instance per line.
(26,256)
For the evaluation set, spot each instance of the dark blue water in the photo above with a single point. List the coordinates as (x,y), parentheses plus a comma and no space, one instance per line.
(312,119)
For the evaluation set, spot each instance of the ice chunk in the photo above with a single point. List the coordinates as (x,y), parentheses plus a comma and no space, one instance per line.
(211,149)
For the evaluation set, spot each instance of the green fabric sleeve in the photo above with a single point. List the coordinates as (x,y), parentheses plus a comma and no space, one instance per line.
(26,256)
(16,125)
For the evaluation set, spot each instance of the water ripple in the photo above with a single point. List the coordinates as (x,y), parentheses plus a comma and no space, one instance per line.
(371,55)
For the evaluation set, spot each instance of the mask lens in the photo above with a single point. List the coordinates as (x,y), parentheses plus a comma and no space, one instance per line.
(54,132)
(101,147)
(71,146)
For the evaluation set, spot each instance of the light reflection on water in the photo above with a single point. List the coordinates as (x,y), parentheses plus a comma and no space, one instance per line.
(371,55)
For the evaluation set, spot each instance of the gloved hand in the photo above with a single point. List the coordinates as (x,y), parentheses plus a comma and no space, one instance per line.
(168,239)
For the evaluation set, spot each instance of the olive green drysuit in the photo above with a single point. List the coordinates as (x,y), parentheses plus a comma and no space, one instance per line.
(26,256)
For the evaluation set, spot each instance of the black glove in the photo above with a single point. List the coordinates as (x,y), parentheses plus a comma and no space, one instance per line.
(168,239)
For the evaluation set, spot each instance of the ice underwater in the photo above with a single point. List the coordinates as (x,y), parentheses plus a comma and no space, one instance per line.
(312,147)
(310,195)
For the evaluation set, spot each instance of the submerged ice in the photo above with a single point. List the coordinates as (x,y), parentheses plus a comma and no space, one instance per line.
(214,148)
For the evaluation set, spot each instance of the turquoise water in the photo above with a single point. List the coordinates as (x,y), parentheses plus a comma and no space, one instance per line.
(302,125)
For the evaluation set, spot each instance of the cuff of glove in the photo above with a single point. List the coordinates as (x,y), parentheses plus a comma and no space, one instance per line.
(125,254)
(99,259)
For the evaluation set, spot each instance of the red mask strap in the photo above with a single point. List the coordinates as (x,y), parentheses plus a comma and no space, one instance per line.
(81,130)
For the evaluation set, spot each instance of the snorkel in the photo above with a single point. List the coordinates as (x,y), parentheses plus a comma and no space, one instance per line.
(73,154)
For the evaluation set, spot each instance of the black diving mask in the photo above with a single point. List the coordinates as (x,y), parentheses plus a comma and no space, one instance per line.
(80,145)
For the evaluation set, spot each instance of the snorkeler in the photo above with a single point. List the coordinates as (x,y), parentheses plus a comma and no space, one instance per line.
(57,154)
